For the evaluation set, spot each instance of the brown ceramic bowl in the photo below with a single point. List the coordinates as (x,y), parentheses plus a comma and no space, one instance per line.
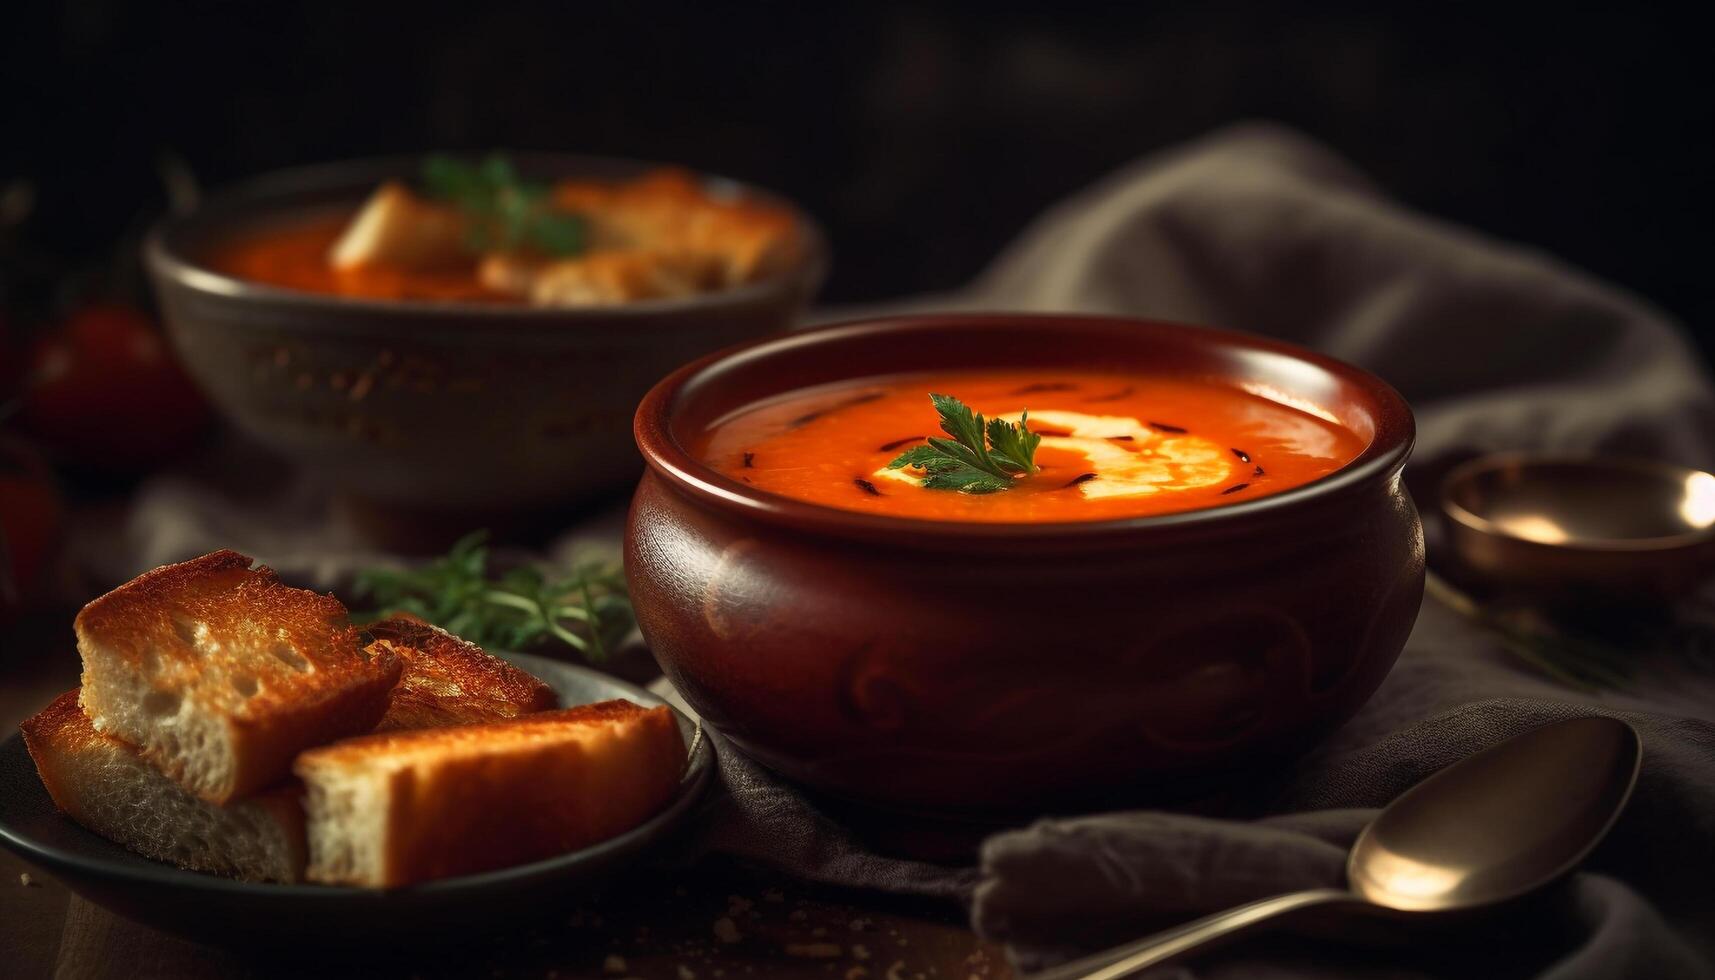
(986,668)
(439,405)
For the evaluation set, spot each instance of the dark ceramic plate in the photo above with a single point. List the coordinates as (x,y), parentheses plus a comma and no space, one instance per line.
(222,911)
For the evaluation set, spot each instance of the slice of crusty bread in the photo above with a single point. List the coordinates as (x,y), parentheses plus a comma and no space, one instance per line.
(221,674)
(105,785)
(403,807)
(448,681)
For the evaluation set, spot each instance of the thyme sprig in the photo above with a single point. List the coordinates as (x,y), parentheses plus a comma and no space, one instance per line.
(584,606)
(1579,662)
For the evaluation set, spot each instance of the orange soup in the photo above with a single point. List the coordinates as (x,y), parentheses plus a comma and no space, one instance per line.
(1112,446)
(577,243)
(296,256)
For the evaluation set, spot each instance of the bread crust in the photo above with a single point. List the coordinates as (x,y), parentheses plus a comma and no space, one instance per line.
(108,788)
(458,800)
(449,681)
(261,668)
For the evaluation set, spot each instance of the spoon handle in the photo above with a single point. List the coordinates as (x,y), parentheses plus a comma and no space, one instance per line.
(1123,961)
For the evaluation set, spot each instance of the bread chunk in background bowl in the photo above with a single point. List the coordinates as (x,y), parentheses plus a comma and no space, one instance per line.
(220,674)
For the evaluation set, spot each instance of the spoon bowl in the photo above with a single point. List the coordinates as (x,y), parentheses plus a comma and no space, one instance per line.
(1500,823)
(1492,827)
(1573,526)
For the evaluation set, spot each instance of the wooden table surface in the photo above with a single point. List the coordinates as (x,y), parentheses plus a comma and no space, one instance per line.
(666,925)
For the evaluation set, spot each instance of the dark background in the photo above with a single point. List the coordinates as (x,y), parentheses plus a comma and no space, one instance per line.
(923,136)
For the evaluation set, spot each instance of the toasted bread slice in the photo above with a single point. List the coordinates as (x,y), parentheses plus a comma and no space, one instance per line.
(403,807)
(220,674)
(105,785)
(447,681)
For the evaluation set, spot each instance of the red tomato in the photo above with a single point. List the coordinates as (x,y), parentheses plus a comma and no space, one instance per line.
(30,518)
(104,392)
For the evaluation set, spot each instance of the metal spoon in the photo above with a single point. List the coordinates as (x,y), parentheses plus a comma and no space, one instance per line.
(1489,828)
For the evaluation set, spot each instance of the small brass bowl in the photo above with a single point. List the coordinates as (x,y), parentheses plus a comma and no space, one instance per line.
(1566,527)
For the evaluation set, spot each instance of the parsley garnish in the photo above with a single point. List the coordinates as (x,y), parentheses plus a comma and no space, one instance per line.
(505,211)
(584,606)
(980,458)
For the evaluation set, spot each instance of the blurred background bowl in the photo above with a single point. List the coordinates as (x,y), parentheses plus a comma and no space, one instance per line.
(440,407)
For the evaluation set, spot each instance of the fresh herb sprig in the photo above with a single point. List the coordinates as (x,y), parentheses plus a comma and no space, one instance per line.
(504,210)
(982,457)
(1581,662)
(585,606)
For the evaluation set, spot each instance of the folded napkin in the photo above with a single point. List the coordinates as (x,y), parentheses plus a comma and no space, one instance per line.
(1496,348)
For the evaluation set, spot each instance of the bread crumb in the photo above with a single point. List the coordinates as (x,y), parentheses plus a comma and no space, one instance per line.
(857,973)
(686,973)
(726,931)
(896,971)
(613,964)
(820,951)
(818,931)
(774,895)
(860,951)
(797,915)
(25,879)
(859,925)
(737,906)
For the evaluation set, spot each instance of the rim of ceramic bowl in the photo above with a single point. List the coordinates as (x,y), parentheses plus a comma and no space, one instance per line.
(257,198)
(1383,457)
(1490,462)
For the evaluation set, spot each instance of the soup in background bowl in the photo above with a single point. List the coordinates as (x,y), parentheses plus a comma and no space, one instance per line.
(1036,640)
(417,401)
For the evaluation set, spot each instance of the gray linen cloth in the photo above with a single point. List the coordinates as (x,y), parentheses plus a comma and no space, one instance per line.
(1496,348)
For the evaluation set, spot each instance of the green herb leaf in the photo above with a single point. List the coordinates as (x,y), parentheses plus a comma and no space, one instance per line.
(966,480)
(559,233)
(585,606)
(982,457)
(505,211)
(1014,445)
